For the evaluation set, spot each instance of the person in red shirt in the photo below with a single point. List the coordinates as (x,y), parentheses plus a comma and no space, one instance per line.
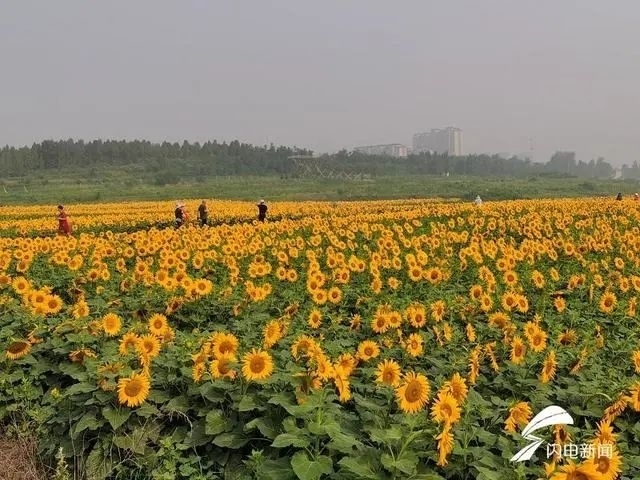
(64,227)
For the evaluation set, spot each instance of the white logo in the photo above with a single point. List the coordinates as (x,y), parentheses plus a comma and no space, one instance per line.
(552,415)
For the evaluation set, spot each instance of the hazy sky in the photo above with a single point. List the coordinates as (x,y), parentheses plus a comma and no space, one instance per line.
(326,74)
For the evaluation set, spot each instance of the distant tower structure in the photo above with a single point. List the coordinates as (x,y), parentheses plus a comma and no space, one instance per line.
(446,140)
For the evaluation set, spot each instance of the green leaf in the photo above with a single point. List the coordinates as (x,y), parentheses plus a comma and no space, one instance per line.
(287,439)
(406,463)
(248,403)
(265,426)
(342,442)
(286,401)
(81,387)
(146,410)
(387,436)
(212,393)
(116,417)
(307,469)
(276,470)
(488,474)
(87,422)
(97,466)
(215,422)
(177,404)
(359,466)
(230,440)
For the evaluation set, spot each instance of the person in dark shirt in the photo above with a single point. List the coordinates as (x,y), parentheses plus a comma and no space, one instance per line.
(619,197)
(203,213)
(179,212)
(262,211)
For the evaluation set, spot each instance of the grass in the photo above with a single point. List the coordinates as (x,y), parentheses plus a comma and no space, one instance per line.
(133,183)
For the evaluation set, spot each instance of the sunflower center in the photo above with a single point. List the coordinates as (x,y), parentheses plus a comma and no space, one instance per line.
(257,365)
(577,476)
(223,368)
(413,391)
(17,347)
(446,410)
(388,376)
(368,351)
(518,350)
(603,465)
(133,388)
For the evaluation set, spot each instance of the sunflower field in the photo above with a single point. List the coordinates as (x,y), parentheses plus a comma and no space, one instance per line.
(363,340)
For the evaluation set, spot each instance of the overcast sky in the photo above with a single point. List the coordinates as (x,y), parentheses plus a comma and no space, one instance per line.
(326,74)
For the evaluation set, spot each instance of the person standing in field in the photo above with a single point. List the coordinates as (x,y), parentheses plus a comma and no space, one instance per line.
(262,211)
(179,213)
(203,213)
(619,197)
(64,227)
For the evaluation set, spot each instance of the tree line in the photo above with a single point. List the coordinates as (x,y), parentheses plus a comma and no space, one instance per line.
(179,160)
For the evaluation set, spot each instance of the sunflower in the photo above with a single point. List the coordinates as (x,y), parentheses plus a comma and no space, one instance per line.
(78,356)
(634,397)
(470,332)
(519,414)
(221,367)
(335,295)
(568,337)
(315,319)
(158,324)
(224,343)
(128,341)
(605,432)
(417,315)
(606,461)
(413,345)
(133,391)
(53,304)
(18,349)
(344,389)
(509,301)
(302,346)
(272,333)
(257,365)
(388,373)
(413,393)
(571,471)
(111,324)
(148,346)
(445,445)
(538,341)
(560,304)
(438,309)
(486,304)
(394,319)
(457,387)
(498,319)
(476,292)
(445,409)
(380,323)
(538,279)
(368,350)
(607,302)
(346,363)
(518,350)
(549,368)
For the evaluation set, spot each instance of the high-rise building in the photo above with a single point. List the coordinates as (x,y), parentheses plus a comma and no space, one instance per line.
(393,150)
(446,140)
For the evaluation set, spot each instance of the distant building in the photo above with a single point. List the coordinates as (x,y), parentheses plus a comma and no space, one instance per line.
(446,140)
(392,149)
